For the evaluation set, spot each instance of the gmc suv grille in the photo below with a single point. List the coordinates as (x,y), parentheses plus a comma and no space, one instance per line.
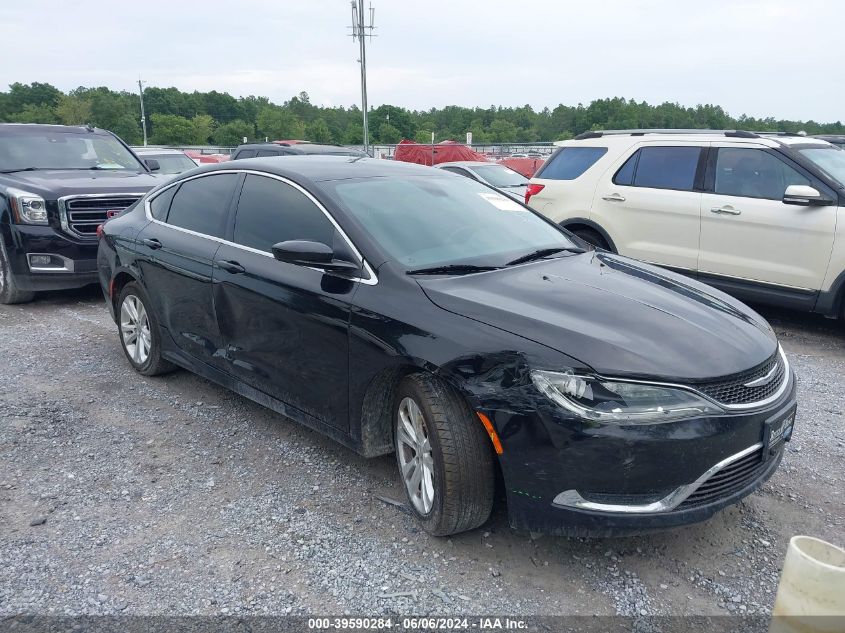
(81,215)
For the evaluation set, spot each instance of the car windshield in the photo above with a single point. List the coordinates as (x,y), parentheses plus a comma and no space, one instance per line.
(831,160)
(171,163)
(62,150)
(500,176)
(425,221)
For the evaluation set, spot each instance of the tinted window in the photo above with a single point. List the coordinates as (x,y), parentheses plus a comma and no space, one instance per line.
(270,211)
(457,170)
(667,167)
(201,204)
(570,162)
(267,152)
(246,153)
(753,173)
(625,175)
(160,205)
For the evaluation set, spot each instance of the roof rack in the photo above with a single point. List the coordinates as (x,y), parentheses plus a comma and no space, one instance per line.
(643,132)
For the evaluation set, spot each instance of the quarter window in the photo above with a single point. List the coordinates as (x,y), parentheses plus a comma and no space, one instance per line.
(270,211)
(570,162)
(753,173)
(201,204)
(266,152)
(667,167)
(246,153)
(160,205)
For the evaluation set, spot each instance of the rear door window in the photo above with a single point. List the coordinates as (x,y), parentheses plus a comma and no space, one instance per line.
(160,205)
(664,168)
(568,163)
(267,152)
(246,153)
(753,173)
(202,204)
(271,211)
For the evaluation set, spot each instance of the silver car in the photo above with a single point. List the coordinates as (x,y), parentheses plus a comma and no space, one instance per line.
(506,180)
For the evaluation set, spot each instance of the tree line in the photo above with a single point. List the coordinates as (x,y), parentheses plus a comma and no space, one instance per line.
(200,118)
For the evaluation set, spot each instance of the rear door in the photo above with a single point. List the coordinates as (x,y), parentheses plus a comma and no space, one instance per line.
(748,233)
(285,327)
(179,245)
(649,202)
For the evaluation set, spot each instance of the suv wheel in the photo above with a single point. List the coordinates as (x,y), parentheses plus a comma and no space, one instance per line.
(444,457)
(592,237)
(9,291)
(140,336)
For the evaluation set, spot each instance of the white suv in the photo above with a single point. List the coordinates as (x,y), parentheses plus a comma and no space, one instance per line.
(759,216)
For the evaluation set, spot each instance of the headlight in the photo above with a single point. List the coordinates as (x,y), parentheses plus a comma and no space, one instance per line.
(620,402)
(29,208)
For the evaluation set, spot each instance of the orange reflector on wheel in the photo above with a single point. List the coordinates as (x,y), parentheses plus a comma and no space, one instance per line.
(494,437)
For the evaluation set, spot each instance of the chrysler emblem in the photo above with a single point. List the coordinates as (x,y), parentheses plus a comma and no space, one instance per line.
(762,380)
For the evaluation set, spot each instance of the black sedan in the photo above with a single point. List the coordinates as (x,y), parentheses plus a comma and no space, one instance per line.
(401,309)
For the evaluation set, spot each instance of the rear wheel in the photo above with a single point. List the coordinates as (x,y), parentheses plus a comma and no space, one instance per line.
(592,237)
(444,457)
(139,332)
(9,291)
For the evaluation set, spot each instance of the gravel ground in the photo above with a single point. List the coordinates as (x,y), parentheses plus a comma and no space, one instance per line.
(125,494)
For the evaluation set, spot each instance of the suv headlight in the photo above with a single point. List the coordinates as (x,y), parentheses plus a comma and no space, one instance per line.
(620,402)
(29,208)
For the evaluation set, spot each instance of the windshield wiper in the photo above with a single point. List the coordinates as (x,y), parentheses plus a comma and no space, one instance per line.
(452,269)
(522,184)
(12,171)
(544,252)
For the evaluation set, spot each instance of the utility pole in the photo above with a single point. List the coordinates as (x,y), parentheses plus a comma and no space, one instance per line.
(360,31)
(143,118)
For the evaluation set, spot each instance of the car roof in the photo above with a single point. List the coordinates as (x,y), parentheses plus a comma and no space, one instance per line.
(157,150)
(300,148)
(467,163)
(54,129)
(325,168)
(622,138)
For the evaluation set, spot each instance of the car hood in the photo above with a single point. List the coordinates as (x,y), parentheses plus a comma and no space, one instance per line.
(620,317)
(54,184)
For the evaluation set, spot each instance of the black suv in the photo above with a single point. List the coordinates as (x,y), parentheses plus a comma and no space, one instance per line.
(292,148)
(57,185)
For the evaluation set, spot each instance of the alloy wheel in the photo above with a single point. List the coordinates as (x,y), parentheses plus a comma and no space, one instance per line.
(416,461)
(135,329)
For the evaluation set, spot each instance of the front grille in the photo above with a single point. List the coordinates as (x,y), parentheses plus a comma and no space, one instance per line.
(724,482)
(734,391)
(81,215)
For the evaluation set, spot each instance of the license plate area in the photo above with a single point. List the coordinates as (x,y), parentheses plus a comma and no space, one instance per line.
(777,430)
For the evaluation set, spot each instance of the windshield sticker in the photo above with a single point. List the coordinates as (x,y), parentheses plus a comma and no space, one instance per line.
(501,202)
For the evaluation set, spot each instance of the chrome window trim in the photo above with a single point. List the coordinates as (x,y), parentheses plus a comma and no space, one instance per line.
(62,202)
(573,499)
(728,407)
(372,281)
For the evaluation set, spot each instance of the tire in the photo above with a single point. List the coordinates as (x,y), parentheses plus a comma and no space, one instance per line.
(592,237)
(134,313)
(9,291)
(460,464)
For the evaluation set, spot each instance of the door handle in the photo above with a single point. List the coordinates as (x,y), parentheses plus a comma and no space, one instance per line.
(614,197)
(725,210)
(152,243)
(231,267)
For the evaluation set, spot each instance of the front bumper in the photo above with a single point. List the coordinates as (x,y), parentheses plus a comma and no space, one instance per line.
(565,476)
(73,262)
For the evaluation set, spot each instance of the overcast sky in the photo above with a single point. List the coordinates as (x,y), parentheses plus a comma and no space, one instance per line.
(762,57)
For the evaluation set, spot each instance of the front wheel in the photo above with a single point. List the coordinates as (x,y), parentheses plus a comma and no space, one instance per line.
(139,332)
(444,457)
(9,291)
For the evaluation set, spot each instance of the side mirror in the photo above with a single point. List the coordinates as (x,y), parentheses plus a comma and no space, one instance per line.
(805,196)
(152,164)
(313,254)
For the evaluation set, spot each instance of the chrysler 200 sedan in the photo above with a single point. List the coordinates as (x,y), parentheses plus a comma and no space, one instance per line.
(400,309)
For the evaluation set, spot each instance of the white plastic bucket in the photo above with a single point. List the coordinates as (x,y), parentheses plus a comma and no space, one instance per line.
(811,593)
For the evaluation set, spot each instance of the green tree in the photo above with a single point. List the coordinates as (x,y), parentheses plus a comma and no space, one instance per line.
(388,134)
(318,131)
(354,134)
(279,124)
(502,131)
(171,129)
(32,113)
(72,110)
(233,133)
(203,128)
